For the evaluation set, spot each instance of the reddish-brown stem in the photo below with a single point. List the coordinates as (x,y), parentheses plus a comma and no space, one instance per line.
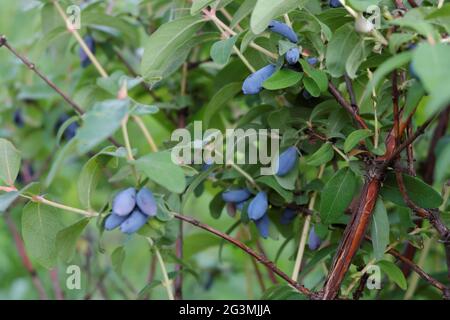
(55,283)
(51,84)
(267,263)
(353,236)
(351,93)
(178,283)
(347,106)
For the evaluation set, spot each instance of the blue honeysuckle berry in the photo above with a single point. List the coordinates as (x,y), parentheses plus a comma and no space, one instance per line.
(84,59)
(263,225)
(292,56)
(18,118)
(287,161)
(240,205)
(335,3)
(237,195)
(312,60)
(314,241)
(258,206)
(253,83)
(113,221)
(124,202)
(71,131)
(288,216)
(134,222)
(146,202)
(306,94)
(284,30)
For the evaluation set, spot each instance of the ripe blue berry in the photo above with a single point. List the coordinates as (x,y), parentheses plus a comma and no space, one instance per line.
(335,3)
(240,205)
(134,222)
(284,30)
(84,59)
(288,216)
(113,221)
(146,202)
(124,202)
(237,195)
(258,206)
(292,55)
(263,226)
(18,118)
(312,61)
(287,161)
(314,241)
(253,83)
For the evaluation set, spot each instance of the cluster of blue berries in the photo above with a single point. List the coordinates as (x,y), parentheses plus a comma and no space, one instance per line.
(254,82)
(259,205)
(131,210)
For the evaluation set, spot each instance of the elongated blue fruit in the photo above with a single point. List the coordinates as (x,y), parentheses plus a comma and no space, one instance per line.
(253,83)
(134,222)
(258,206)
(288,216)
(146,202)
(84,59)
(314,241)
(312,61)
(113,221)
(284,30)
(263,225)
(335,3)
(18,118)
(292,55)
(237,195)
(240,205)
(287,161)
(124,202)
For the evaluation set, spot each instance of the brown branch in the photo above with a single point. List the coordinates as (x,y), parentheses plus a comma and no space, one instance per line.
(32,67)
(269,264)
(362,284)
(353,235)
(178,283)
(25,259)
(55,283)
(412,3)
(351,92)
(340,99)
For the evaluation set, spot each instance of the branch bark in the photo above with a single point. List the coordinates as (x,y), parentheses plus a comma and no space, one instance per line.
(266,262)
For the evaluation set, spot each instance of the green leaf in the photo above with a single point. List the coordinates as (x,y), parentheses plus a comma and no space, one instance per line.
(117,259)
(379,230)
(362,5)
(100,123)
(159,168)
(8,198)
(221,50)
(318,76)
(163,43)
(324,154)
(66,239)
(9,162)
(40,226)
(344,40)
(393,272)
(283,78)
(266,10)
(418,191)
(358,55)
(431,63)
(90,175)
(384,69)
(336,195)
(198,5)
(244,10)
(222,97)
(271,182)
(355,137)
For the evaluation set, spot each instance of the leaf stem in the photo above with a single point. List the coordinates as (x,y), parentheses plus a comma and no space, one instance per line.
(167,283)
